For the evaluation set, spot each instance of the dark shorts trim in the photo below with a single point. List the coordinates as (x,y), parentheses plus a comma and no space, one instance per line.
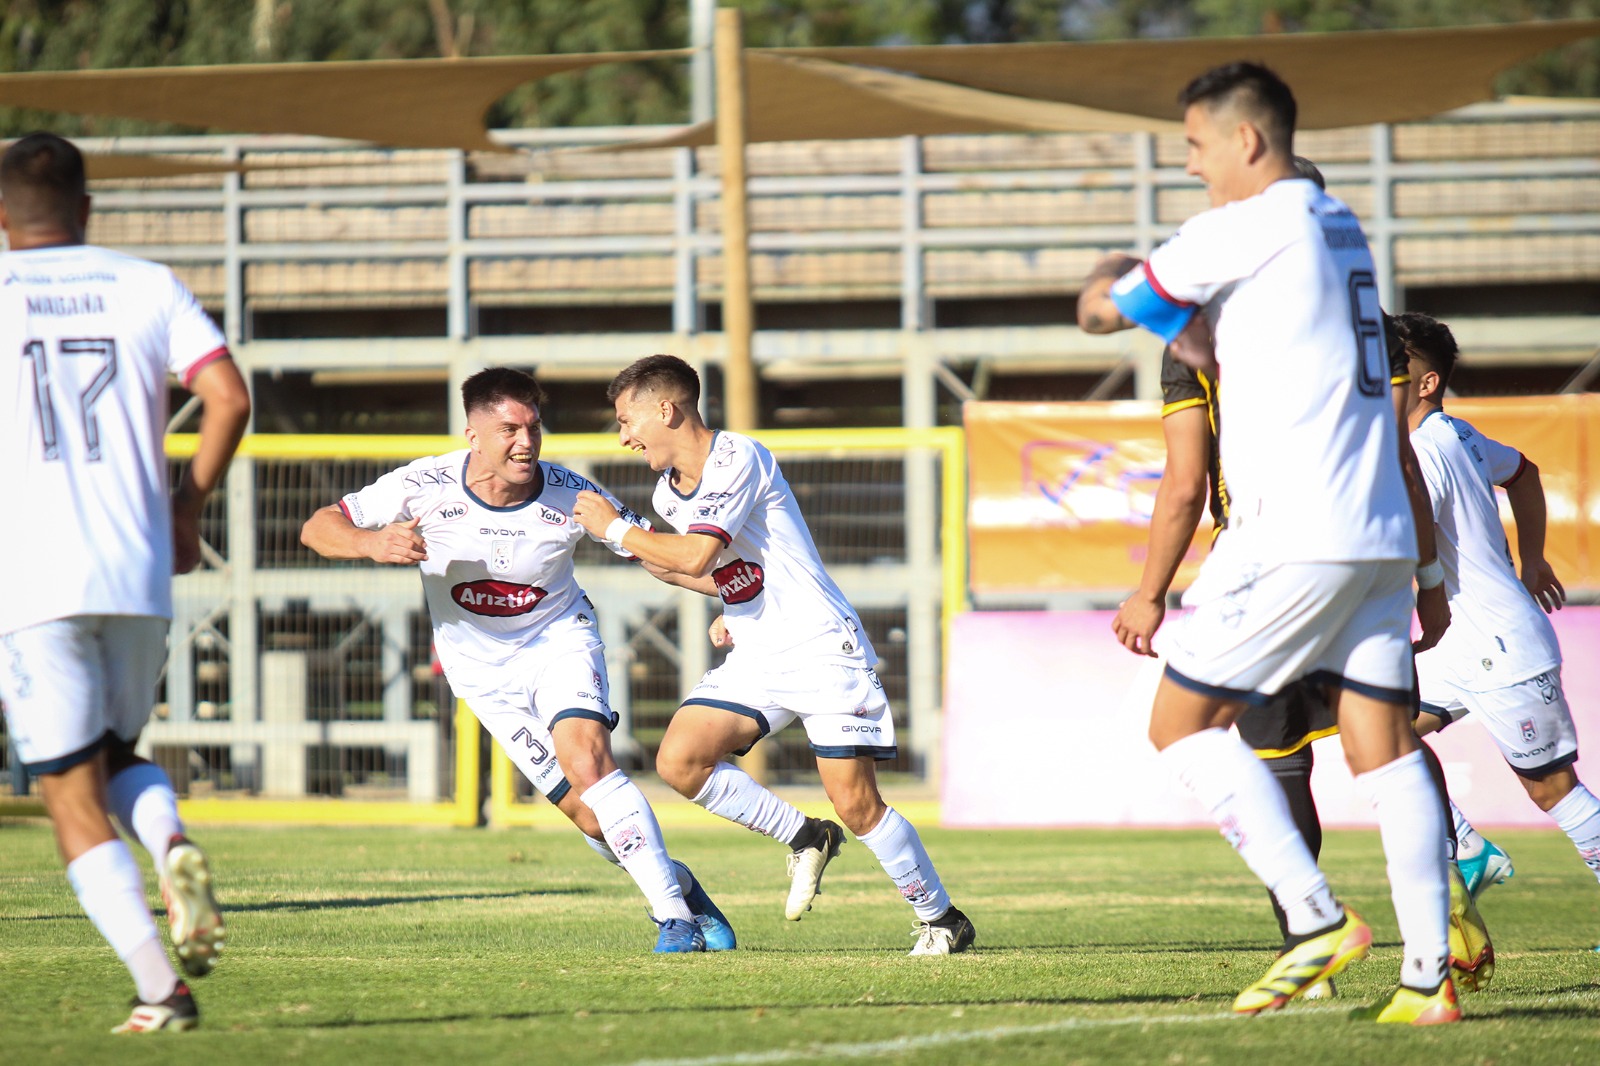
(1403,696)
(1445,715)
(1254,699)
(852,751)
(559,793)
(68,761)
(1536,772)
(739,709)
(609,721)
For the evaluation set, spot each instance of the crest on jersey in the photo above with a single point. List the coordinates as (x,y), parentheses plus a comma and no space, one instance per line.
(500,556)
(1530,732)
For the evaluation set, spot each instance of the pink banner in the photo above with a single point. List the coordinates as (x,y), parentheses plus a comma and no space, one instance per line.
(1046,716)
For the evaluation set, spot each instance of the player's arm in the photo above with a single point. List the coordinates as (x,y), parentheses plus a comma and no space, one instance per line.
(1097,312)
(1180,501)
(703,585)
(685,554)
(223,419)
(1433,608)
(1525,491)
(330,533)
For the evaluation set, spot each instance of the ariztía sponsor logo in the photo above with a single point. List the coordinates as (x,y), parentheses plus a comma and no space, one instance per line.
(739,581)
(497,599)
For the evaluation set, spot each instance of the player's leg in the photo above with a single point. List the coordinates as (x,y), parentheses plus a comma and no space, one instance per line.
(53,685)
(141,795)
(1480,861)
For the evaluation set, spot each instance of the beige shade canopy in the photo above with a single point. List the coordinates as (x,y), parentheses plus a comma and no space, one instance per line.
(406,103)
(1339,79)
(123,167)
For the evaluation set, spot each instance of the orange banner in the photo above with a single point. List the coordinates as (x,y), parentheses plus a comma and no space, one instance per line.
(1060,494)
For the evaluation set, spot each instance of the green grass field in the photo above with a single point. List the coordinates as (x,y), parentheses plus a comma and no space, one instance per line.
(396,945)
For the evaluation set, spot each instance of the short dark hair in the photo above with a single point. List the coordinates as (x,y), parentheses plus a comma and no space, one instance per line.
(489,388)
(1305,168)
(1431,341)
(664,374)
(42,179)
(1260,92)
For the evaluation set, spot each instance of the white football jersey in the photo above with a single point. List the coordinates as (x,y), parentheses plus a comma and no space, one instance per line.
(776,596)
(90,337)
(1311,448)
(495,577)
(1498,635)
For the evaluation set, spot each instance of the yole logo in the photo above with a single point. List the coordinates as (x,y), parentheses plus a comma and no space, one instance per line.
(451,510)
(498,599)
(739,581)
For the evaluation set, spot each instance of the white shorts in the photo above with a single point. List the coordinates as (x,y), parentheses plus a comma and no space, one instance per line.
(843,707)
(1530,721)
(70,683)
(551,681)
(1255,628)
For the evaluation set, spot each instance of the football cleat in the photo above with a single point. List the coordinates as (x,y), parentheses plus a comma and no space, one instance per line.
(806,866)
(1471,953)
(713,924)
(193,918)
(679,937)
(1323,989)
(949,934)
(1312,960)
(1407,1006)
(1490,866)
(177,1012)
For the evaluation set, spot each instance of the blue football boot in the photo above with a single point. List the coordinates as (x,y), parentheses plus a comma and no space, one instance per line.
(1491,866)
(679,936)
(712,922)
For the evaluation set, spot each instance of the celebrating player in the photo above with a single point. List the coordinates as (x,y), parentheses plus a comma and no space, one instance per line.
(91,337)
(490,527)
(798,647)
(1314,577)
(1500,659)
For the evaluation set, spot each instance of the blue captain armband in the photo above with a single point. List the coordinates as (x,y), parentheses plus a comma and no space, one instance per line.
(1143,301)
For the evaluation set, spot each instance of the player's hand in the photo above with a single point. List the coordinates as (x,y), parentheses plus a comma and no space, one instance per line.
(398,543)
(185,536)
(720,637)
(1136,623)
(1195,346)
(1433,612)
(1539,579)
(593,512)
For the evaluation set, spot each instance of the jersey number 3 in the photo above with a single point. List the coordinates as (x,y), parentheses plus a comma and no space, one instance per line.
(1372,349)
(102,348)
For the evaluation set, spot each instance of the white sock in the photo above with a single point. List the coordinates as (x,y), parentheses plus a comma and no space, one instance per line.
(111,892)
(733,794)
(634,838)
(1469,844)
(602,849)
(1412,827)
(1578,815)
(142,798)
(898,847)
(1252,812)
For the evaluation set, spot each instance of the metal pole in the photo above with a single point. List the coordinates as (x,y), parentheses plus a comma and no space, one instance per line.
(702,82)
(738,318)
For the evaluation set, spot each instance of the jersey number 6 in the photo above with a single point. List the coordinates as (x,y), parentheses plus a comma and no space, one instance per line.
(1372,350)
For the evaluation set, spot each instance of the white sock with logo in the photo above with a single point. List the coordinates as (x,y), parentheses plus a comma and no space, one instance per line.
(634,839)
(1411,824)
(1250,809)
(899,848)
(1469,844)
(733,794)
(111,892)
(602,849)
(142,798)
(1578,815)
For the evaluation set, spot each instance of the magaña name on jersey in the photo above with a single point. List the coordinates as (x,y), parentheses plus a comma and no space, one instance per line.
(739,581)
(500,599)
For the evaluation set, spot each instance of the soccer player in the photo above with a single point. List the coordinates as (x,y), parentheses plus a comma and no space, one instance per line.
(1313,579)
(490,528)
(90,337)
(1500,659)
(798,647)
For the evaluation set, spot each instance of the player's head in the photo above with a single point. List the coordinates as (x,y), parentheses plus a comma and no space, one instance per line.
(1431,354)
(1305,168)
(44,196)
(504,428)
(654,398)
(1239,121)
